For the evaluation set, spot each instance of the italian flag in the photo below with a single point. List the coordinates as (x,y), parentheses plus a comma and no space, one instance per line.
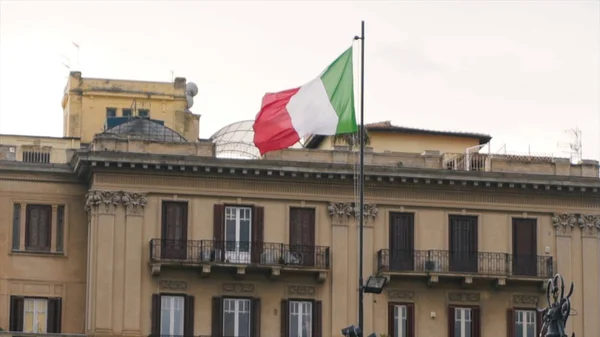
(323,106)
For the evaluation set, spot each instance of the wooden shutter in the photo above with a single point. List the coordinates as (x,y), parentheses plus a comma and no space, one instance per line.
(391,332)
(16,234)
(217,316)
(54,318)
(476,321)
(16,313)
(258,229)
(539,322)
(451,315)
(285,318)
(410,320)
(188,318)
(219,227)
(155,316)
(255,312)
(510,323)
(317,319)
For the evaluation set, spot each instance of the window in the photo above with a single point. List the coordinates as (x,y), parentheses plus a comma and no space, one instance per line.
(38,227)
(401,320)
(143,112)
(238,229)
(462,322)
(525,322)
(36,154)
(171,315)
(126,112)
(300,319)
(111,112)
(236,317)
(35,315)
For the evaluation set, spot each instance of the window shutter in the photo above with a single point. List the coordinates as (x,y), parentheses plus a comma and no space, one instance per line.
(390,315)
(410,320)
(155,316)
(16,237)
(255,325)
(217,316)
(16,313)
(188,320)
(510,323)
(54,318)
(539,322)
(476,321)
(317,319)
(285,318)
(451,314)
(219,227)
(258,229)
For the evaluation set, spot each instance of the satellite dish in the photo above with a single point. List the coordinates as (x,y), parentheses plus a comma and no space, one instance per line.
(191,90)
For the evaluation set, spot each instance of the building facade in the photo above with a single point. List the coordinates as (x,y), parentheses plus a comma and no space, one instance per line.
(132,227)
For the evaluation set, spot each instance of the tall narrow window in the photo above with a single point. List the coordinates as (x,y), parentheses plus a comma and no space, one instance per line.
(38,227)
(238,229)
(35,315)
(301,322)
(111,112)
(525,323)
(462,322)
(236,317)
(171,315)
(401,320)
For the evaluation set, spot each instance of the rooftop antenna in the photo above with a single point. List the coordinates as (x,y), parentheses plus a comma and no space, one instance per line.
(575,146)
(172,75)
(77,48)
(66,62)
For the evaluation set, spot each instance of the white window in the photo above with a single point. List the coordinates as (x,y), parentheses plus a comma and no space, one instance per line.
(462,322)
(35,315)
(238,229)
(236,317)
(400,328)
(300,319)
(171,315)
(525,324)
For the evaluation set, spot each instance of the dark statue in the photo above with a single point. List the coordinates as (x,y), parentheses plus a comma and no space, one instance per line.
(556,314)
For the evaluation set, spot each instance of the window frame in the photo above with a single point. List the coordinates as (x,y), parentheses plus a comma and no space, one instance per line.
(111,109)
(475,319)
(250,313)
(172,313)
(146,113)
(311,311)
(35,312)
(129,112)
(53,312)
(410,318)
(537,323)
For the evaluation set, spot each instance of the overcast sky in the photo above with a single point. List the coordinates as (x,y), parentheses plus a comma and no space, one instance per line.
(522,71)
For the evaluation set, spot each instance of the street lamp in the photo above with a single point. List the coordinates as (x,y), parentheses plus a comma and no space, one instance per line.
(374,285)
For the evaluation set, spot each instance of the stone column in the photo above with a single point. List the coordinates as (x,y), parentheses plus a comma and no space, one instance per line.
(340,215)
(564,223)
(590,227)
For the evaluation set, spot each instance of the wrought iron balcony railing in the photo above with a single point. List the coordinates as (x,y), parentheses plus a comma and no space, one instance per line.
(443,261)
(235,252)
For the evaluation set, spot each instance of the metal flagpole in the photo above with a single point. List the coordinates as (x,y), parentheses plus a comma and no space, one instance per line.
(362,180)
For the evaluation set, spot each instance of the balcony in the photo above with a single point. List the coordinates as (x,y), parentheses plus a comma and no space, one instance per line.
(241,256)
(482,265)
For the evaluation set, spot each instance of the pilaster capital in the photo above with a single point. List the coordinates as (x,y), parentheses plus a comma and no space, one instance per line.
(369,211)
(134,202)
(340,212)
(590,225)
(106,202)
(564,223)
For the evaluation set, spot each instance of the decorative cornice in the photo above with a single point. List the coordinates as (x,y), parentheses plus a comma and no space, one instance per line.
(399,294)
(564,223)
(301,290)
(525,300)
(464,297)
(590,225)
(238,288)
(108,201)
(173,285)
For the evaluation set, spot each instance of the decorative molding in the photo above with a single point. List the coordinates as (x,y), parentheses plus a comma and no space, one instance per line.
(398,294)
(564,223)
(173,285)
(590,225)
(339,211)
(525,300)
(106,202)
(300,290)
(369,211)
(464,297)
(134,202)
(238,288)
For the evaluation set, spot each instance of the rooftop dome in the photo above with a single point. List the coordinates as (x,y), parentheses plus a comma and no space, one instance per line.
(146,129)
